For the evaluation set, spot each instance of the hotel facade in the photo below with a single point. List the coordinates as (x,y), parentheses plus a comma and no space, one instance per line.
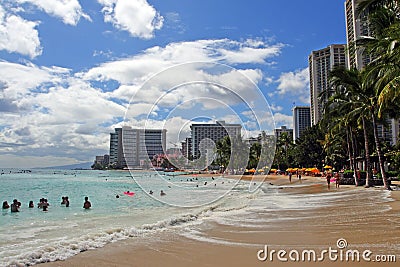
(130,147)
(320,63)
(207,134)
(301,121)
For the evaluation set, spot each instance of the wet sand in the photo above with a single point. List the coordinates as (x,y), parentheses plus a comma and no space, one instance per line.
(365,224)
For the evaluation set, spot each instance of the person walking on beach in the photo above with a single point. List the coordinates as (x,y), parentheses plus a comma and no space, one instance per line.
(337,180)
(290,177)
(87,204)
(328,180)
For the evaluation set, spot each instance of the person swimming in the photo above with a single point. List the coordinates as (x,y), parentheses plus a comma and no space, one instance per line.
(31,205)
(6,205)
(162,193)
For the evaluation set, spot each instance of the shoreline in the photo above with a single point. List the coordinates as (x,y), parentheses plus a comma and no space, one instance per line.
(319,227)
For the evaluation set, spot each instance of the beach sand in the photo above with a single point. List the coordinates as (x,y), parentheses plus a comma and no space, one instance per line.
(374,226)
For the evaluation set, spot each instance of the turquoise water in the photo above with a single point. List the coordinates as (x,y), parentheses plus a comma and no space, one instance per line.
(32,236)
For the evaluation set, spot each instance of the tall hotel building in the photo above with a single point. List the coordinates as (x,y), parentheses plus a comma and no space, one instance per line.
(320,63)
(131,147)
(214,132)
(187,147)
(356,28)
(301,121)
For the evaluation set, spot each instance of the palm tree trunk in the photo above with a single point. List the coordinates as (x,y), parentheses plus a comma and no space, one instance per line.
(367,155)
(379,151)
(354,158)
(348,147)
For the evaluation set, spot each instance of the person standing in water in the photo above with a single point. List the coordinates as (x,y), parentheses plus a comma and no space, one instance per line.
(87,204)
(14,206)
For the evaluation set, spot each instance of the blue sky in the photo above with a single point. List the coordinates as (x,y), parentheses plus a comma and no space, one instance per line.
(71,69)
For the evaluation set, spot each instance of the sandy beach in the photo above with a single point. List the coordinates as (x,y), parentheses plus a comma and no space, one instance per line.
(354,215)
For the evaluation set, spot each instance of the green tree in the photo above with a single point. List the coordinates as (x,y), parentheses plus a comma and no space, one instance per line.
(254,157)
(308,150)
(283,156)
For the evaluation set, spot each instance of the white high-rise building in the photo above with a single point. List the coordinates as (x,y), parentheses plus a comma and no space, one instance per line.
(211,133)
(320,63)
(356,27)
(301,121)
(130,147)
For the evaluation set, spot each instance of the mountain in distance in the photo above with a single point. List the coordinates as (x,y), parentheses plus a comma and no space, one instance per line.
(78,166)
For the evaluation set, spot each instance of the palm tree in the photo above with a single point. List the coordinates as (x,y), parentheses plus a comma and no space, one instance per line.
(223,151)
(383,73)
(372,6)
(384,46)
(254,157)
(351,98)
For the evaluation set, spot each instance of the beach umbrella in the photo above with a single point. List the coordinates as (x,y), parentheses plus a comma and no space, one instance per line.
(314,170)
(327,167)
(289,169)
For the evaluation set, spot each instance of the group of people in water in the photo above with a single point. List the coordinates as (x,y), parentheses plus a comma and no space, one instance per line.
(42,204)
(15,205)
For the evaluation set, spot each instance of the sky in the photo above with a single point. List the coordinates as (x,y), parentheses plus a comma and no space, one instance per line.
(73,70)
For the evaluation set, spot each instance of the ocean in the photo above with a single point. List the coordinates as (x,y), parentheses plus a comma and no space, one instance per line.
(34,236)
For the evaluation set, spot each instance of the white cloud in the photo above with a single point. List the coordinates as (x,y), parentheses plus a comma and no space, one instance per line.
(250,54)
(276,108)
(53,114)
(290,82)
(18,35)
(70,11)
(139,68)
(173,21)
(296,84)
(189,88)
(283,120)
(51,111)
(19,80)
(135,16)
